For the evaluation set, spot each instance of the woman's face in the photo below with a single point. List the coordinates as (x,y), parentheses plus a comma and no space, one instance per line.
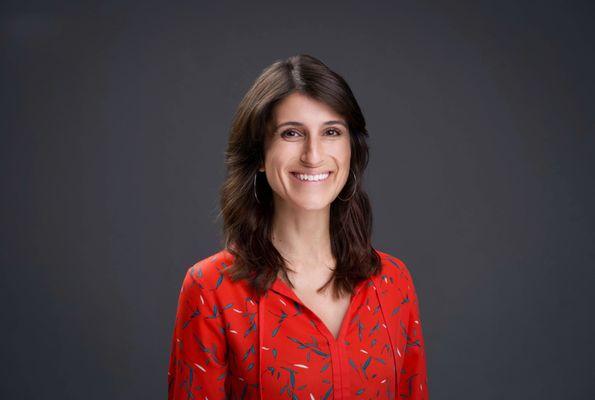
(306,138)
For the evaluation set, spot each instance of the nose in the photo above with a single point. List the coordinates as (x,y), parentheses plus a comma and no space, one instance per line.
(313,151)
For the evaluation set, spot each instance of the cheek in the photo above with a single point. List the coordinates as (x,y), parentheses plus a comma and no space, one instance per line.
(274,161)
(278,154)
(342,153)
(348,154)
(346,161)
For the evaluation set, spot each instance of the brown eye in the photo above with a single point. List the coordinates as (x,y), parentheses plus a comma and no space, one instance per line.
(287,133)
(337,132)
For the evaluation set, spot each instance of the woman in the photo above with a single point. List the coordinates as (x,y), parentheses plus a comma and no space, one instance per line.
(298,304)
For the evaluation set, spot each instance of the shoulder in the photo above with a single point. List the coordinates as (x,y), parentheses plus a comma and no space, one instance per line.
(208,272)
(395,271)
(208,275)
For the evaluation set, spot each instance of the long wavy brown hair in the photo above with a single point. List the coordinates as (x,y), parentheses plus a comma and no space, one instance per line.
(247,221)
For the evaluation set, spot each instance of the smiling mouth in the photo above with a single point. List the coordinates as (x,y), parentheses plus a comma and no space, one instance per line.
(312,178)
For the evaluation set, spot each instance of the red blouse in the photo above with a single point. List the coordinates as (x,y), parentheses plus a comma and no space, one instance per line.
(219,350)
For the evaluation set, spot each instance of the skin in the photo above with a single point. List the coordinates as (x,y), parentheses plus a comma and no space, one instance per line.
(302,210)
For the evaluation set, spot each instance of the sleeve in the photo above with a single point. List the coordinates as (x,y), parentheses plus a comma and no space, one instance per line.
(198,360)
(413,383)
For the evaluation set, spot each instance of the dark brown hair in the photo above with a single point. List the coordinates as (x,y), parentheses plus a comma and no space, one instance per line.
(247,222)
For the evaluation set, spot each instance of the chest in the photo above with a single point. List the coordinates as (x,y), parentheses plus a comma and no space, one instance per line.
(330,311)
(295,350)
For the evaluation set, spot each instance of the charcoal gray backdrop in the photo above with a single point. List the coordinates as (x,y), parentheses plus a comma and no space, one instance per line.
(114,120)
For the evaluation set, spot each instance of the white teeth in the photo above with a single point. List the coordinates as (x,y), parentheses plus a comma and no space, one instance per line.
(315,178)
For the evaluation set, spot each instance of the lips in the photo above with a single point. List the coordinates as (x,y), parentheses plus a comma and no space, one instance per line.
(295,175)
(311,173)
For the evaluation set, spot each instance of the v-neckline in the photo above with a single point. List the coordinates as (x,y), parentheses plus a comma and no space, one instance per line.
(280,286)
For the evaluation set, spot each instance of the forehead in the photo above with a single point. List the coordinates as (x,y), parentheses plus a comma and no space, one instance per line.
(302,108)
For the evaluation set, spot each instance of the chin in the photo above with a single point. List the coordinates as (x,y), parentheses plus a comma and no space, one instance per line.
(312,205)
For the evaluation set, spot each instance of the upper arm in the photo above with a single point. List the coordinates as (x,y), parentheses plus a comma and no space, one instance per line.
(198,364)
(413,380)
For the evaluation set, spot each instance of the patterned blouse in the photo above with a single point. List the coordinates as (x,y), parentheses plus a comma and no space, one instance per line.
(229,344)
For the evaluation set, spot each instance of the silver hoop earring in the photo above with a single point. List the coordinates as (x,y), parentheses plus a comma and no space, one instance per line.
(354,188)
(255,196)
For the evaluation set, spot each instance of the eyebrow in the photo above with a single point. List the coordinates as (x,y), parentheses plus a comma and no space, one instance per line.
(300,124)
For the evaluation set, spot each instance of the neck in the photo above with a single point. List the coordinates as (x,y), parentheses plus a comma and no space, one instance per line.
(303,238)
